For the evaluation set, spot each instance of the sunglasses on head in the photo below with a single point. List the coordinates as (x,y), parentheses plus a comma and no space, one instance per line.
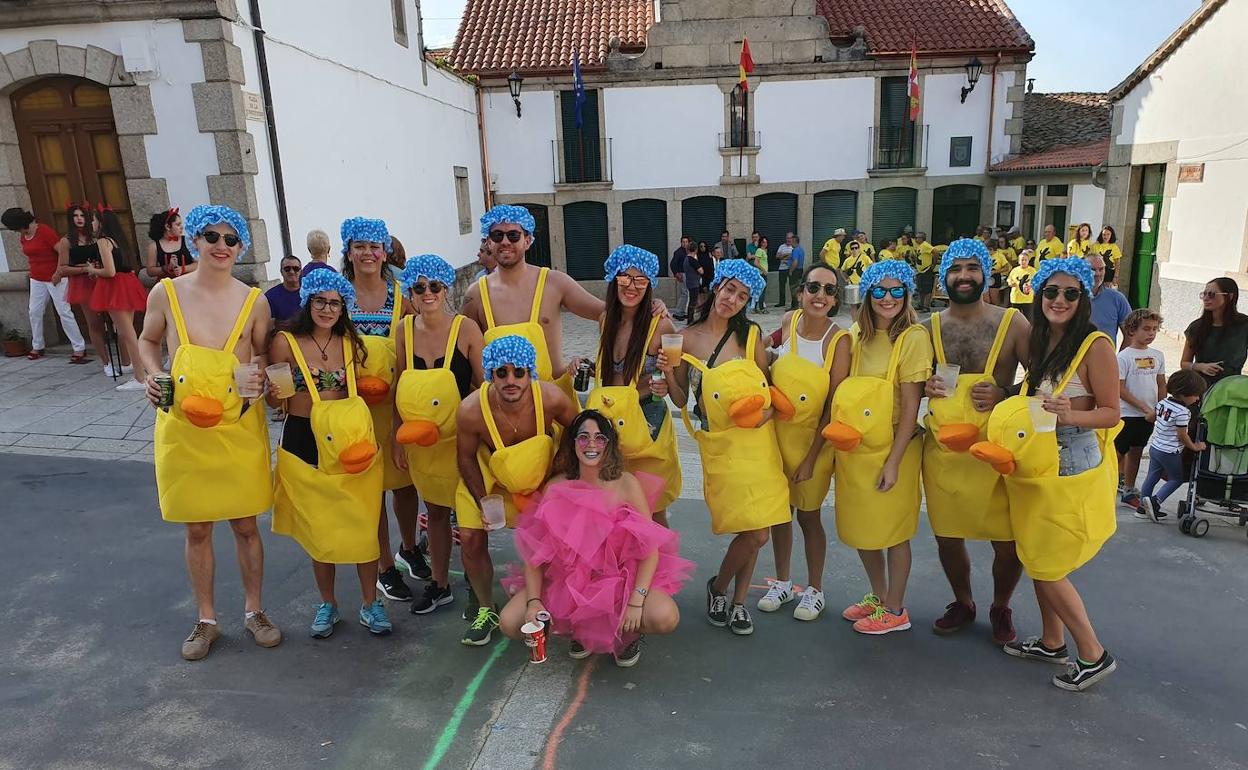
(896,292)
(812,287)
(434,287)
(636,281)
(1070,293)
(585,440)
(516,372)
(212,236)
(512,235)
(1212,294)
(321,303)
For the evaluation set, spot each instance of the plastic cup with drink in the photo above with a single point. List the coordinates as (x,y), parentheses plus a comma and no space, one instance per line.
(1042,420)
(493,512)
(246,380)
(948,376)
(281,378)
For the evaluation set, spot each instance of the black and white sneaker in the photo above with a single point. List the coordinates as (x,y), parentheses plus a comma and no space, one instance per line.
(1080,676)
(1153,506)
(577,651)
(716,605)
(433,597)
(470,611)
(391,585)
(629,656)
(740,622)
(413,563)
(1034,649)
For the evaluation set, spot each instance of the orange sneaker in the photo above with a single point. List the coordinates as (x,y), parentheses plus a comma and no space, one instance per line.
(883,621)
(862,609)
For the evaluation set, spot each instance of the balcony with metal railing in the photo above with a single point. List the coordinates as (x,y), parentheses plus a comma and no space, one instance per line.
(582,161)
(897,150)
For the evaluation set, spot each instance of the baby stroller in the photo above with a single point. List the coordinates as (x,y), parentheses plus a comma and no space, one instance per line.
(1218,485)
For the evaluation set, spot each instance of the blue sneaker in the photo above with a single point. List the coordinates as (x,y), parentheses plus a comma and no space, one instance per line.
(323,623)
(375,619)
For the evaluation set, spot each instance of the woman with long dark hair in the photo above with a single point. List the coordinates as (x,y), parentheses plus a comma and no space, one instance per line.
(77,253)
(328,477)
(1081,244)
(1216,344)
(631,392)
(1107,246)
(723,372)
(167,254)
(608,590)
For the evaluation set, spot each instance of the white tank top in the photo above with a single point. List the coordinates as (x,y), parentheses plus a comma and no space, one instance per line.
(811,350)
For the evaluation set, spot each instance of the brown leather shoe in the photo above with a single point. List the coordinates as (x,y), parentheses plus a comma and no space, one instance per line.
(1002,619)
(262,630)
(199,643)
(957,615)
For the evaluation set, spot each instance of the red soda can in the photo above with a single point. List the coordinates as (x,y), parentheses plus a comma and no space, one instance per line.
(535,640)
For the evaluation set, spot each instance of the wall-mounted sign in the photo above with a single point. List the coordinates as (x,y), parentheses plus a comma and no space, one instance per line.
(253,106)
(1191,172)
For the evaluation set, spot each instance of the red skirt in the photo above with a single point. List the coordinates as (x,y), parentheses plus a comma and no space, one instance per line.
(121,292)
(80,289)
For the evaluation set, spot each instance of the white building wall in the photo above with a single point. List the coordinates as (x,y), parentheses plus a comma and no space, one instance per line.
(687,119)
(1087,204)
(814,129)
(519,148)
(946,117)
(1012,193)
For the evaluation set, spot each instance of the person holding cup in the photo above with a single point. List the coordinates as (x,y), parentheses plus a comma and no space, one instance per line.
(609,592)
(978,348)
(328,479)
(211,446)
(630,389)
(1061,484)
(505,444)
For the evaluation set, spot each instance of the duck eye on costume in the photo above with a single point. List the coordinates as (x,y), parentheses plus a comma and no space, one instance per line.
(504,214)
(364,229)
(742,271)
(199,218)
(967,248)
(512,350)
(428,266)
(1072,266)
(627,256)
(889,268)
(318,281)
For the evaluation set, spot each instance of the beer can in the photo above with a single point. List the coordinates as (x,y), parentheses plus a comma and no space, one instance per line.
(535,640)
(165,383)
(584,370)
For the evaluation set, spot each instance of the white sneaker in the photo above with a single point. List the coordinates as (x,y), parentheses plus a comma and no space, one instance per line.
(131,385)
(108,370)
(127,368)
(810,605)
(779,593)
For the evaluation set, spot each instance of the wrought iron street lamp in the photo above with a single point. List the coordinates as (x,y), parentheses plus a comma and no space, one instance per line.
(973,69)
(515,83)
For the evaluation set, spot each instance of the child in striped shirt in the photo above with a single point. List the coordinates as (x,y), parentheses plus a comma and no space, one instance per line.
(1170,436)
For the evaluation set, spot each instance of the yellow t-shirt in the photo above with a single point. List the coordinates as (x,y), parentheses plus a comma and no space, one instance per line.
(853,267)
(915,364)
(1018,244)
(906,253)
(1049,248)
(1001,262)
(924,261)
(868,249)
(1079,248)
(832,253)
(1018,277)
(1109,252)
(886,254)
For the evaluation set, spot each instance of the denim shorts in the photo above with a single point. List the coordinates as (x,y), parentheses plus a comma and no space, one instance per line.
(655,413)
(1078,450)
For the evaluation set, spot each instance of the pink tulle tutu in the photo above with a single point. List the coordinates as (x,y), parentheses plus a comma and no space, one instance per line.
(589,545)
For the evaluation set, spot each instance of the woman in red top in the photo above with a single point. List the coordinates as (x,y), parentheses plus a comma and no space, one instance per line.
(39,245)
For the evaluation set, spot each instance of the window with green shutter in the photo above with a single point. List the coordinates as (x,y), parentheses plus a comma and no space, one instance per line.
(585,239)
(892,211)
(833,209)
(775,216)
(703,218)
(582,147)
(645,226)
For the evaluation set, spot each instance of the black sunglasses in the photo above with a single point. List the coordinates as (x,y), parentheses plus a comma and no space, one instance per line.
(812,287)
(517,372)
(1070,293)
(436,287)
(512,235)
(291,269)
(212,236)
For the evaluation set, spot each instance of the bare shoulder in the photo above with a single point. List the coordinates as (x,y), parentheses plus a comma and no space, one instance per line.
(1019,325)
(470,329)
(551,393)
(279,347)
(469,413)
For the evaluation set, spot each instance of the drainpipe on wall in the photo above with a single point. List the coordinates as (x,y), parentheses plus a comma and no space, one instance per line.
(275,155)
(992,108)
(487,193)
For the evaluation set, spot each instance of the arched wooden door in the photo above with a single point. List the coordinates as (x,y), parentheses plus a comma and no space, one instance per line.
(69,148)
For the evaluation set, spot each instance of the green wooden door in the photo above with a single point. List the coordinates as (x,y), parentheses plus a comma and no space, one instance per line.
(703,218)
(539,253)
(833,209)
(892,212)
(585,239)
(955,212)
(645,226)
(775,216)
(1147,223)
(582,147)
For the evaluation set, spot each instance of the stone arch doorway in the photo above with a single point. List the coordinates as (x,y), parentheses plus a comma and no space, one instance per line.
(69,148)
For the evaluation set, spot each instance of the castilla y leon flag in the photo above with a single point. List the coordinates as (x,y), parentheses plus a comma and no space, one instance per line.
(914,82)
(747,64)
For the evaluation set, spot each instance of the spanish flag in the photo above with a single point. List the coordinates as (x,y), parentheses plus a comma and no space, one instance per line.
(747,65)
(914,82)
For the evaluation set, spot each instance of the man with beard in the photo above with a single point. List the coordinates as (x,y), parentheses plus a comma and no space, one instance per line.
(965,501)
(505,447)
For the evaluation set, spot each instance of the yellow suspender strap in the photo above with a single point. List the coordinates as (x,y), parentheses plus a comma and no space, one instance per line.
(1078,359)
(645,350)
(397,313)
(179,322)
(535,313)
(938,344)
(894,358)
(407,341)
(538,409)
(751,341)
(797,314)
(303,367)
(489,417)
(830,358)
(451,340)
(485,304)
(998,342)
(348,363)
(241,321)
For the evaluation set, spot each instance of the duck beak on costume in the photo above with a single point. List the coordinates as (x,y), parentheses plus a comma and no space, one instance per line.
(747,412)
(357,457)
(202,411)
(957,437)
(1000,458)
(372,389)
(418,432)
(842,437)
(522,502)
(781,403)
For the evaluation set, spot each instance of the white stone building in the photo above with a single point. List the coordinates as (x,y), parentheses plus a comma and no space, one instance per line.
(298,113)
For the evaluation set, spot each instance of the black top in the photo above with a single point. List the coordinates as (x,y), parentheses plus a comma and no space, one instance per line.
(182,256)
(461,367)
(82,255)
(708,269)
(1227,345)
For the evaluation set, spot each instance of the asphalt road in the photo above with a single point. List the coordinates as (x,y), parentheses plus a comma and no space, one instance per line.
(97,603)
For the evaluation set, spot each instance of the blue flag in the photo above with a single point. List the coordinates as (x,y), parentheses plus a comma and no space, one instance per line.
(578,88)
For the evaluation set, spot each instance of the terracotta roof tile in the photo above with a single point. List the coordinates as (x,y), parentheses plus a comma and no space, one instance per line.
(1064,119)
(935,26)
(1088,155)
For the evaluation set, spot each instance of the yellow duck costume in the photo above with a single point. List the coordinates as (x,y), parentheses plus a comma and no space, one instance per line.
(805,386)
(376,381)
(332,509)
(1059,522)
(515,471)
(212,457)
(427,400)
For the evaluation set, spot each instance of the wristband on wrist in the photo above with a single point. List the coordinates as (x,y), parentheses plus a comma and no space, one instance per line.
(534,599)
(636,606)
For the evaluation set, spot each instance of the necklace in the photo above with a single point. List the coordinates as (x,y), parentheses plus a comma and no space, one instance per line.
(510,424)
(323,349)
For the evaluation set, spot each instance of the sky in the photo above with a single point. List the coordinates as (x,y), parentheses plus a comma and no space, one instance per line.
(1081,45)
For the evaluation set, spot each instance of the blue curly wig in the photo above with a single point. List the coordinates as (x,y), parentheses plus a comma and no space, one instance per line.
(967,248)
(199,218)
(742,271)
(1072,266)
(317,281)
(512,350)
(627,256)
(889,268)
(364,229)
(429,266)
(516,215)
